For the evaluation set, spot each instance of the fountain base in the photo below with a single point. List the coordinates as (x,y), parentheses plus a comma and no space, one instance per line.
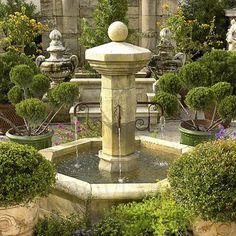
(114,163)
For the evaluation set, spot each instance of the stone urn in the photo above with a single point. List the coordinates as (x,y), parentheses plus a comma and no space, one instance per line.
(18,220)
(57,67)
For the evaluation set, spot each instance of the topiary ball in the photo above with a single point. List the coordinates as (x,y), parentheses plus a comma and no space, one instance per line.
(200,98)
(221,90)
(220,65)
(24,173)
(39,86)
(15,94)
(227,108)
(194,75)
(65,93)
(168,101)
(33,110)
(21,75)
(170,83)
(204,180)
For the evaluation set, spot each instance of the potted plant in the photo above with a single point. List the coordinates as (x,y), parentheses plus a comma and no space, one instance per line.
(27,96)
(203,181)
(7,61)
(203,95)
(25,176)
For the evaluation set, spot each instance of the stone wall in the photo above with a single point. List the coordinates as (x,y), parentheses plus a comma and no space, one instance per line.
(35,2)
(145,17)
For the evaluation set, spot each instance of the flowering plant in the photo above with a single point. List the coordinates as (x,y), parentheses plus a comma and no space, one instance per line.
(225,133)
(191,36)
(20,30)
(69,133)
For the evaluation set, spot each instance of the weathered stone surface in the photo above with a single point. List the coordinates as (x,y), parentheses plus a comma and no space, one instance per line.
(133,3)
(133,23)
(18,220)
(210,228)
(137,11)
(68,25)
(118,62)
(70,7)
(46,7)
(133,11)
(118,31)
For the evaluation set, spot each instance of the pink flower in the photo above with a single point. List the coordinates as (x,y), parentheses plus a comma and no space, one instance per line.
(60,126)
(56,143)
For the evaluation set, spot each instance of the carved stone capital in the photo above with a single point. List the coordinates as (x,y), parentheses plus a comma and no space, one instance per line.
(149,34)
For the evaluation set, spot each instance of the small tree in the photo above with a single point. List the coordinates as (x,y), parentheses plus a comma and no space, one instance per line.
(106,12)
(192,35)
(205,10)
(21,30)
(28,102)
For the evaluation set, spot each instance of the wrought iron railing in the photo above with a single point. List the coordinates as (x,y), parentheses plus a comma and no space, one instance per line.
(140,123)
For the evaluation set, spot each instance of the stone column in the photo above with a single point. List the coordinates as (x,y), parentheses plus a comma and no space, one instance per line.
(149,24)
(117,62)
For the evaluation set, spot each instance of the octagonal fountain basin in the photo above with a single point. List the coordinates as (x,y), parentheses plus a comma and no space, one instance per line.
(81,188)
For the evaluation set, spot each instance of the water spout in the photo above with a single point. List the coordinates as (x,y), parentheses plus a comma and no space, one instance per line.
(120,179)
(162,124)
(77,164)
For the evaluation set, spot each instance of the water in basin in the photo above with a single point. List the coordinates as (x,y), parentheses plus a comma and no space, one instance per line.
(153,166)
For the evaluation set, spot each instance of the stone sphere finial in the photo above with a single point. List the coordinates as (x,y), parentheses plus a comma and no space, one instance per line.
(118,31)
(55,35)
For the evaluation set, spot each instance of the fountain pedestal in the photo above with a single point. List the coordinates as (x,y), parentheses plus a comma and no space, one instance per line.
(118,62)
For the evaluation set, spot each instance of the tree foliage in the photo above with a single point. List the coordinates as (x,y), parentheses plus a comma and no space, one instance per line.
(205,10)
(106,12)
(12,6)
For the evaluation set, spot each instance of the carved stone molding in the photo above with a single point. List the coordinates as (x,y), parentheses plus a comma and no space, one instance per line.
(149,34)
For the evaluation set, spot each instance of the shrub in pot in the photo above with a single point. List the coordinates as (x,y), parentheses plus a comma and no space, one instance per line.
(204,181)
(220,65)
(198,99)
(25,175)
(7,61)
(27,95)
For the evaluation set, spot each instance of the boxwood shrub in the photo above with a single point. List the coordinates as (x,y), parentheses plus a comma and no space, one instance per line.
(56,225)
(204,180)
(168,101)
(24,174)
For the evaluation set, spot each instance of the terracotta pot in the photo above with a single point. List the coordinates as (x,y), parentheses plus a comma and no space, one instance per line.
(10,112)
(18,220)
(210,228)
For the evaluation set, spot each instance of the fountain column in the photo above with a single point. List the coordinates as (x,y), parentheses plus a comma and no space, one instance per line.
(118,62)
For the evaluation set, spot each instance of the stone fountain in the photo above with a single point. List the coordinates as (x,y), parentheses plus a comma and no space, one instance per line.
(117,62)
(56,67)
